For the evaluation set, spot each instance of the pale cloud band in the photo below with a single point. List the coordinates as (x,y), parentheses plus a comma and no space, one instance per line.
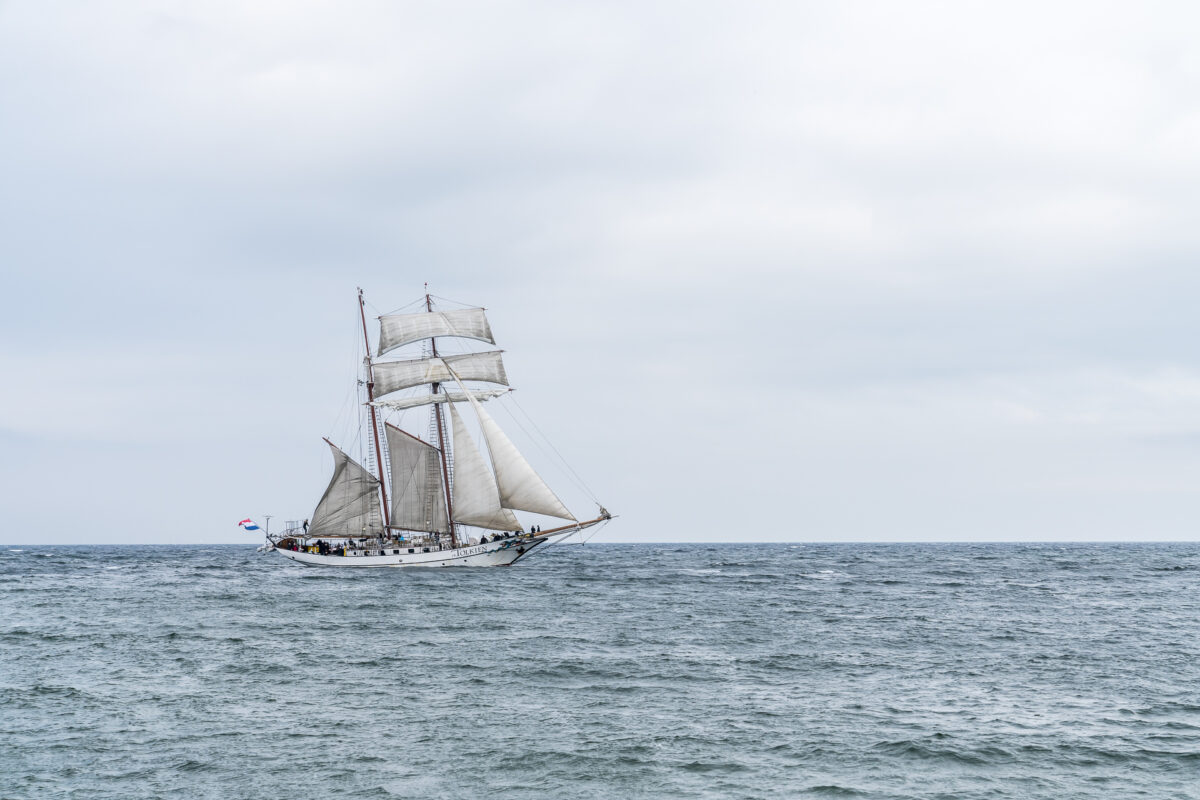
(910,271)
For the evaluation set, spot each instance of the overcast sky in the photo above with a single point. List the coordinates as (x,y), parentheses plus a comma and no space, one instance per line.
(763,271)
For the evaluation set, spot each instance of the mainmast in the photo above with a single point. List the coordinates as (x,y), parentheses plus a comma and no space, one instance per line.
(441,429)
(373,411)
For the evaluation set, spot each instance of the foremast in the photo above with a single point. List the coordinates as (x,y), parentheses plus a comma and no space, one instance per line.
(443,445)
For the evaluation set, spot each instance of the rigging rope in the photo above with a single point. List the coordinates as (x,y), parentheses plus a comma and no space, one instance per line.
(455,302)
(572,473)
(349,409)
(378,313)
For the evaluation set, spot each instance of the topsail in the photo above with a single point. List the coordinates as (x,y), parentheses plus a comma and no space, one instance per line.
(397,330)
(392,376)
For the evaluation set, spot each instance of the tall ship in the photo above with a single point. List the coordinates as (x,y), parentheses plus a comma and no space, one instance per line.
(429,496)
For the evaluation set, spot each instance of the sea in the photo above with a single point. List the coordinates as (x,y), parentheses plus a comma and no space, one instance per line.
(604,671)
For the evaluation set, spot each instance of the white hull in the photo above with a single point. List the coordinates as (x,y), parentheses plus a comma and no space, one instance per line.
(493,554)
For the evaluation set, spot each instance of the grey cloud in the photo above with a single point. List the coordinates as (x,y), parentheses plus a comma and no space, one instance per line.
(842,271)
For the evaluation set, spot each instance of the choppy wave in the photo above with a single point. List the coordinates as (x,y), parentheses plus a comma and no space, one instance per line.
(605,671)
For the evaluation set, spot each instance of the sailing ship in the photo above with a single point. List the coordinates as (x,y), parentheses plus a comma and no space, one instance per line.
(433,501)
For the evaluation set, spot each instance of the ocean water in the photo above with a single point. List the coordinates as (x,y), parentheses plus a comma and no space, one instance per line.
(604,671)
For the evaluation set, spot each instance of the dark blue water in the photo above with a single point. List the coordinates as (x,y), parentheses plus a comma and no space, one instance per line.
(622,671)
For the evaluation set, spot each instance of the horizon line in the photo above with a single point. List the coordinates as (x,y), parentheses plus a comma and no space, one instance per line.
(798,542)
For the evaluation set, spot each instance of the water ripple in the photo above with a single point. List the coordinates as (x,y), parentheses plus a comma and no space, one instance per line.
(606,671)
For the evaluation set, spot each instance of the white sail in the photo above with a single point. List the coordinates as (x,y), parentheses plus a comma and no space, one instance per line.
(476,497)
(350,505)
(401,403)
(418,503)
(397,330)
(392,376)
(521,488)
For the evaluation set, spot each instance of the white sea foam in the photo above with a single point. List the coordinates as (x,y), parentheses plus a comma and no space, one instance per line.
(826,575)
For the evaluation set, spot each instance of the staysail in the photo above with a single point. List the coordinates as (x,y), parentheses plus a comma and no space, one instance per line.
(521,488)
(476,496)
(397,330)
(350,505)
(418,503)
(392,376)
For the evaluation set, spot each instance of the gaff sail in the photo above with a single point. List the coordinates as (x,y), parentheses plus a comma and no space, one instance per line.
(350,505)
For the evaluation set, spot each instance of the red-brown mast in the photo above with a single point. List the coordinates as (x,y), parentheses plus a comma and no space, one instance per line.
(362,312)
(437,412)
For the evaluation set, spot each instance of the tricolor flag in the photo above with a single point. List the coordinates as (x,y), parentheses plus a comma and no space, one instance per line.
(248,525)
